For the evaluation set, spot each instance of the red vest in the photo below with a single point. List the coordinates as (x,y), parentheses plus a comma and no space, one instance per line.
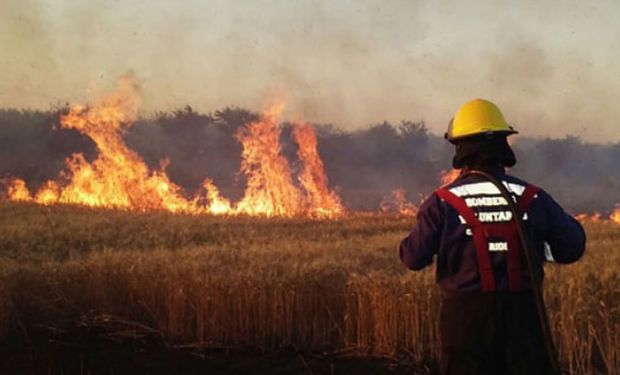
(484,233)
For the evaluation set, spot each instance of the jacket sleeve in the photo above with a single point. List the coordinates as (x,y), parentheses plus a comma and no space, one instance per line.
(564,234)
(417,249)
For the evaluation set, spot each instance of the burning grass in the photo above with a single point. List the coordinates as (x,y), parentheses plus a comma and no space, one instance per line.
(243,283)
(119,178)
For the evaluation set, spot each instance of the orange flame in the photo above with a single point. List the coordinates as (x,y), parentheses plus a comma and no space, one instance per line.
(49,193)
(397,202)
(320,201)
(446,177)
(596,217)
(118,177)
(18,191)
(270,190)
(217,204)
(615,215)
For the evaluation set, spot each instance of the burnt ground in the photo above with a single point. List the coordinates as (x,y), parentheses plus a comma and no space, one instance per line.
(45,352)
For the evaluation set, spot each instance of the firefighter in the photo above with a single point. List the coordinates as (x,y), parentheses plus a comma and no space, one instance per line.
(489,321)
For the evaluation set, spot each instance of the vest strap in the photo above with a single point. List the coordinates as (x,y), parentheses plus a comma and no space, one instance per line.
(480,234)
(481,244)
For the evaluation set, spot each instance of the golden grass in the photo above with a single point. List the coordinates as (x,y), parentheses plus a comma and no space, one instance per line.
(268,285)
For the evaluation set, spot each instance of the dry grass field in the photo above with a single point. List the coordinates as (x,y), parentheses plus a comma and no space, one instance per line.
(76,283)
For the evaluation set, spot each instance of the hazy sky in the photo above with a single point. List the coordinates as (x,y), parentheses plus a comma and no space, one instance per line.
(553,67)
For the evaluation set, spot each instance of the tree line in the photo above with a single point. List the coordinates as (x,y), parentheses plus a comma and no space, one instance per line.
(364,165)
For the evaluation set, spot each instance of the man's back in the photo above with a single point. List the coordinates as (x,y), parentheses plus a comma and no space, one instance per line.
(442,231)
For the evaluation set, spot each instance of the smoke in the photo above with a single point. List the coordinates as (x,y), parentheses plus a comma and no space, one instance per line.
(551,68)
(28,63)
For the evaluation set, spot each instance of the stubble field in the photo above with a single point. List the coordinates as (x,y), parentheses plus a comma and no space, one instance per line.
(100,291)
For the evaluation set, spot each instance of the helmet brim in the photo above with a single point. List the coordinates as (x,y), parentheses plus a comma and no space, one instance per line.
(504,133)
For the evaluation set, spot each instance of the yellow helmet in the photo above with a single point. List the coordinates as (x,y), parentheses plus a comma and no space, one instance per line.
(477,117)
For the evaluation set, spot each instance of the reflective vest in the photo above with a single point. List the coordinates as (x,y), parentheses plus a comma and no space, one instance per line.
(486,233)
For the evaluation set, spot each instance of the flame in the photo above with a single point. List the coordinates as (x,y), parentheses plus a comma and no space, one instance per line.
(397,202)
(596,217)
(18,191)
(217,204)
(321,202)
(615,215)
(446,177)
(270,190)
(118,177)
(49,193)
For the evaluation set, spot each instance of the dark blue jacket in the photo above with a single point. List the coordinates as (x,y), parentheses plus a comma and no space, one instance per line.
(440,232)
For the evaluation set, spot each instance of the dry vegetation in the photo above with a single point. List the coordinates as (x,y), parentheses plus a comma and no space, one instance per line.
(267,286)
